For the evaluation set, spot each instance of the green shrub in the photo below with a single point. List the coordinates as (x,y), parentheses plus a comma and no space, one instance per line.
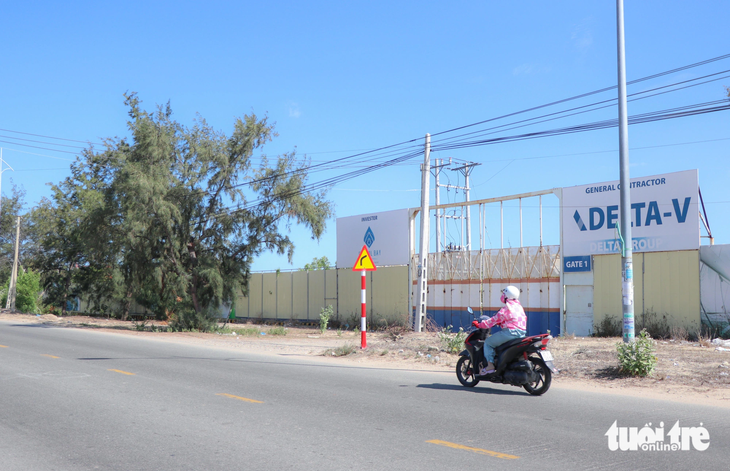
(188,319)
(278,330)
(242,331)
(610,326)
(141,325)
(637,358)
(452,342)
(324,318)
(247,331)
(26,292)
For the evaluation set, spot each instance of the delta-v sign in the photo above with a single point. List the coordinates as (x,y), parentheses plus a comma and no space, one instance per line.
(664,215)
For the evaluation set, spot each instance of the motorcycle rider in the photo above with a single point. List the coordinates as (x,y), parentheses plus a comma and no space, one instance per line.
(513,321)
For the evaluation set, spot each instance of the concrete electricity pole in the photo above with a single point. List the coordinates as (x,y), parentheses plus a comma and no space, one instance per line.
(10,304)
(627,271)
(420,316)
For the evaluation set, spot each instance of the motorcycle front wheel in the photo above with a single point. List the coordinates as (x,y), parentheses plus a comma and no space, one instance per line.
(465,372)
(544,378)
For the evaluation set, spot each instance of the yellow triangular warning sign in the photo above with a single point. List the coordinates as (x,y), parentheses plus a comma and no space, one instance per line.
(364,261)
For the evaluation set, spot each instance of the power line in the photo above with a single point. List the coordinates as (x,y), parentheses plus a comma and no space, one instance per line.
(37,147)
(398,148)
(647,117)
(309,188)
(608,151)
(378,191)
(50,137)
(40,155)
(660,74)
(637,119)
(41,142)
(583,95)
(612,101)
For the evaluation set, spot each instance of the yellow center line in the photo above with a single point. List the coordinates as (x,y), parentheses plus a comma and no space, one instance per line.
(240,398)
(49,356)
(481,451)
(3,346)
(122,372)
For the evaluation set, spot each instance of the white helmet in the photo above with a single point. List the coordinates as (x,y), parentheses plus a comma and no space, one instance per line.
(510,292)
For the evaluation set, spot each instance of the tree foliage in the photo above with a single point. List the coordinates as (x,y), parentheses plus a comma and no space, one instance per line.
(321,263)
(173,217)
(27,292)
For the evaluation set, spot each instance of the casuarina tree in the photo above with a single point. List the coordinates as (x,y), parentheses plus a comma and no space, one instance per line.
(173,216)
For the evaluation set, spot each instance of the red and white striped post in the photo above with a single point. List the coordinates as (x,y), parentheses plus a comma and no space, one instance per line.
(363,327)
(363,263)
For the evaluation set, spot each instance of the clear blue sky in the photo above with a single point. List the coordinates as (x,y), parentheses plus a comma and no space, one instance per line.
(342,77)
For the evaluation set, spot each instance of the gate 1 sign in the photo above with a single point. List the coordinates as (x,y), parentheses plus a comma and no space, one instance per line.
(664,215)
(576,264)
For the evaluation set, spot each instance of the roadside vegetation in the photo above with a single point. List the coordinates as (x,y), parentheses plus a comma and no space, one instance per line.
(341,351)
(656,327)
(637,358)
(167,221)
(324,318)
(452,342)
(27,292)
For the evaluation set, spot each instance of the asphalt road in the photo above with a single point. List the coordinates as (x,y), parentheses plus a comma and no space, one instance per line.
(81,400)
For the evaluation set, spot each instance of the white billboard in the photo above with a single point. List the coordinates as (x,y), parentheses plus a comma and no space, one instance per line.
(664,215)
(385,234)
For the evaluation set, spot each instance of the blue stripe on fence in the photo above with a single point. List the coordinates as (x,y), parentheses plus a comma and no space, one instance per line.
(538,322)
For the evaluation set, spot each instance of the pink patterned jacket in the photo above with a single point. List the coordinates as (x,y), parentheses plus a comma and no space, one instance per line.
(511,316)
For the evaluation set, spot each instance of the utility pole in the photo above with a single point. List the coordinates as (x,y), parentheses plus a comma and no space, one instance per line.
(10,304)
(421,304)
(627,271)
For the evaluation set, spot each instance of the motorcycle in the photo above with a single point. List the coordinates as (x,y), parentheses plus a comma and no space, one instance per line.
(524,362)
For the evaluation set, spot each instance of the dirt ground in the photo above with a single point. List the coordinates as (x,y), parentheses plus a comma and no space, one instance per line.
(691,372)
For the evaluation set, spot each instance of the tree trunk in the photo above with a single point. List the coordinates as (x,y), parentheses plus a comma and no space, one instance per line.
(194,287)
(67,284)
(127,304)
(194,294)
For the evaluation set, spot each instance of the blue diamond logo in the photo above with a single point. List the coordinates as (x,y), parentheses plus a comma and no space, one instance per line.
(369,237)
(579,221)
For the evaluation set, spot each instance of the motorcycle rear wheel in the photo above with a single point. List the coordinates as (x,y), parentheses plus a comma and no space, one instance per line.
(544,378)
(465,372)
